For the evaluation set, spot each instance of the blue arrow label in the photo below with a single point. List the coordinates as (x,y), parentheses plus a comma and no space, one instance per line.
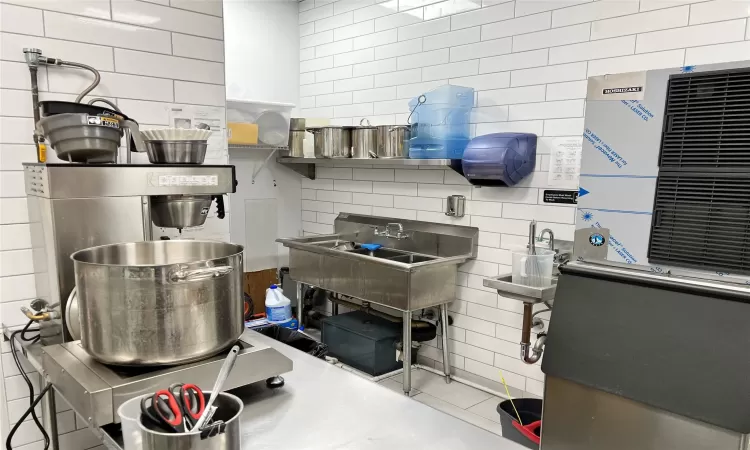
(582,192)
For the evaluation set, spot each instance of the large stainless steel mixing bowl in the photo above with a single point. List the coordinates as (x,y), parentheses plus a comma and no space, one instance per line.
(179,211)
(176,152)
(159,302)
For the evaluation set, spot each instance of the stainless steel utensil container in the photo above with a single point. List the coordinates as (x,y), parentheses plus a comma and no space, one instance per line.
(229,409)
(393,141)
(332,142)
(83,138)
(176,152)
(297,143)
(179,211)
(364,139)
(157,303)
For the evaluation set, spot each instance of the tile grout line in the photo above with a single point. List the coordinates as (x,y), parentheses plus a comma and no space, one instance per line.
(127,23)
(137,74)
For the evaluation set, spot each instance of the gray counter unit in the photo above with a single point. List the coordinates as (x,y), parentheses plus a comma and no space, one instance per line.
(679,348)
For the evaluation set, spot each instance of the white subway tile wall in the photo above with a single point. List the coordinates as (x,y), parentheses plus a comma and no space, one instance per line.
(528,60)
(150,55)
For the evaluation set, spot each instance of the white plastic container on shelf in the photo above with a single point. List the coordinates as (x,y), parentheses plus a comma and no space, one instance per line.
(272,119)
(278,306)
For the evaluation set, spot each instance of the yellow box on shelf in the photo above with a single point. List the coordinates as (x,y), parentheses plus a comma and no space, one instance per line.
(242,133)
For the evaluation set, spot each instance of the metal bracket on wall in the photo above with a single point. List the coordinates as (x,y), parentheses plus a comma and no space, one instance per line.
(306,166)
(272,152)
(307,170)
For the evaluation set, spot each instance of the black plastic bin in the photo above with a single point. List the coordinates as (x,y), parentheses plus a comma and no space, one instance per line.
(295,339)
(530,410)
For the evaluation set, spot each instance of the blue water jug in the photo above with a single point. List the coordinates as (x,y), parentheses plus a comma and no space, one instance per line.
(440,122)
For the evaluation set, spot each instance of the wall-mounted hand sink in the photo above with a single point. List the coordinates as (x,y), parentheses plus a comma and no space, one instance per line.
(527,294)
(415,269)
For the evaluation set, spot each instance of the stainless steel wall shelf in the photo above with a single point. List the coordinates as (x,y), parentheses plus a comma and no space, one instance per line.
(306,166)
(256,147)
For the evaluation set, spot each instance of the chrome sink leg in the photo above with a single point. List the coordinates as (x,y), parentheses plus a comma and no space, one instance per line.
(300,305)
(406,347)
(446,353)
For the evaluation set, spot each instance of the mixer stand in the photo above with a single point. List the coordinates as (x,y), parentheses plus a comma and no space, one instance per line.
(95,391)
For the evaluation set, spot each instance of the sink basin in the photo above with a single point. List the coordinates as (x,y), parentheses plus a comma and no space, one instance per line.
(527,294)
(409,272)
(379,253)
(411,259)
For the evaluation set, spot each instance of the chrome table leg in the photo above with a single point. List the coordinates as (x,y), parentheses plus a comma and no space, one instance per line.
(300,305)
(444,330)
(49,412)
(406,339)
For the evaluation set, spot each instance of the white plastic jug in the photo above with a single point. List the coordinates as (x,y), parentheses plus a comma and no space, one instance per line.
(278,307)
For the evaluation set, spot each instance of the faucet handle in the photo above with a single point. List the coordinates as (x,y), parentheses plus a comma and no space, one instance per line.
(392,230)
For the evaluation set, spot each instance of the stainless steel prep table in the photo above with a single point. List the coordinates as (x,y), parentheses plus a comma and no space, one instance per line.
(324,407)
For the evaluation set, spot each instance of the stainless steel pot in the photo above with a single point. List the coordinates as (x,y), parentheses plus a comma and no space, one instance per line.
(159,302)
(180,211)
(364,139)
(332,142)
(393,141)
(176,152)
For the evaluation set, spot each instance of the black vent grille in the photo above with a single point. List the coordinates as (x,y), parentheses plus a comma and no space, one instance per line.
(702,206)
(702,221)
(707,121)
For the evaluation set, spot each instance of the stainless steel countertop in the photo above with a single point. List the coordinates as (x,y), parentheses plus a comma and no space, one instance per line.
(324,407)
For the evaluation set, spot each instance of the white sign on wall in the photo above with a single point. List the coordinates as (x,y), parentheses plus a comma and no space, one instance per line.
(190,116)
(565,162)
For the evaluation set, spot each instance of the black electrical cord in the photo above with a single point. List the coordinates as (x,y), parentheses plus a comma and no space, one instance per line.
(23,417)
(32,402)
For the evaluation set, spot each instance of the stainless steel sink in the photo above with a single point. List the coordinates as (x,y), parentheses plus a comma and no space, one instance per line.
(416,267)
(527,294)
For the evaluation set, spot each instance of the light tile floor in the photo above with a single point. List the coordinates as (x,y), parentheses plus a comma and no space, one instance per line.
(458,400)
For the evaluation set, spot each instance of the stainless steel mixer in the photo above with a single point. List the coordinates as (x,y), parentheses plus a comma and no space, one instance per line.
(77,206)
(134,297)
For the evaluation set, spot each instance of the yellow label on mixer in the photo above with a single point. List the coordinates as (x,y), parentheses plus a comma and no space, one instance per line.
(42,153)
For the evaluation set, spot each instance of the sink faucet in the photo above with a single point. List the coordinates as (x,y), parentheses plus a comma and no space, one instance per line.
(389,233)
(551,238)
(561,256)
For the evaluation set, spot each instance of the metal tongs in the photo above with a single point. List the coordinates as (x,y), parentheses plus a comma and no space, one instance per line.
(209,411)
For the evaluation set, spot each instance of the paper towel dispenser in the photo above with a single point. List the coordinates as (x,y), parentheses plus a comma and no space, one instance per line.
(499,159)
